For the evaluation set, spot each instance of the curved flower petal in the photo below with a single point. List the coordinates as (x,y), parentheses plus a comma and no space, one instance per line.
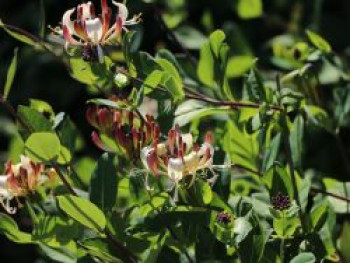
(67,22)
(123,12)
(188,140)
(68,37)
(144,154)
(86,11)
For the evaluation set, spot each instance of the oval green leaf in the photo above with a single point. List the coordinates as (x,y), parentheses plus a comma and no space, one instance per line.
(83,211)
(42,146)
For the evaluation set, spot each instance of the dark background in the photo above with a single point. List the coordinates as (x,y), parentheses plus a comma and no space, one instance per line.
(40,76)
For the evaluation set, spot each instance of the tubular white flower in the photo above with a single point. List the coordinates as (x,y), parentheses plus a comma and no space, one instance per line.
(6,196)
(94,30)
(175,169)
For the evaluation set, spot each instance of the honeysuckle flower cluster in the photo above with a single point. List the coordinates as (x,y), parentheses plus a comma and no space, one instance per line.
(124,127)
(21,180)
(178,157)
(91,32)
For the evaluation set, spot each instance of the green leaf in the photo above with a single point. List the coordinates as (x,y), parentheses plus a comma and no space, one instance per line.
(216,40)
(304,258)
(339,188)
(20,36)
(242,148)
(103,185)
(42,146)
(304,192)
(11,74)
(101,249)
(83,211)
(42,106)
(271,152)
(171,79)
(319,215)
(190,110)
(152,81)
(318,41)
(59,254)
(32,120)
(42,24)
(190,37)
(82,71)
(279,181)
(9,228)
(296,140)
(242,228)
(248,9)
(204,192)
(170,68)
(205,70)
(285,226)
(173,86)
(237,66)
(64,156)
(55,231)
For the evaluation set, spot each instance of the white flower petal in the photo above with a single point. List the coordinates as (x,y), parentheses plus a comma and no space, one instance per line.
(86,10)
(122,11)
(175,169)
(66,20)
(188,139)
(94,30)
(144,154)
(5,199)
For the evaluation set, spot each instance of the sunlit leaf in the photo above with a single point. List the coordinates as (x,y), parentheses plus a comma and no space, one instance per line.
(83,211)
(11,74)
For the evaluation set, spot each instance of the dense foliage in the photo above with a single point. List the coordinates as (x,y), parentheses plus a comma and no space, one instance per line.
(203,156)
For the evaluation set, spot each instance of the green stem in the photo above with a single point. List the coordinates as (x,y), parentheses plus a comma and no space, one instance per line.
(282,250)
(282,239)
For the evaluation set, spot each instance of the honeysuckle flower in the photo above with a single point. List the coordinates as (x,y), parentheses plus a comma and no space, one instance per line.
(92,32)
(178,157)
(19,180)
(124,127)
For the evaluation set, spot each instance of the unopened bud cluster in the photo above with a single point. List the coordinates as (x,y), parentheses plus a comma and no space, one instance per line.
(124,127)
(281,202)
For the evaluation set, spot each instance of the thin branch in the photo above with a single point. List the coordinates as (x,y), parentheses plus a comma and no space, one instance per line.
(232,104)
